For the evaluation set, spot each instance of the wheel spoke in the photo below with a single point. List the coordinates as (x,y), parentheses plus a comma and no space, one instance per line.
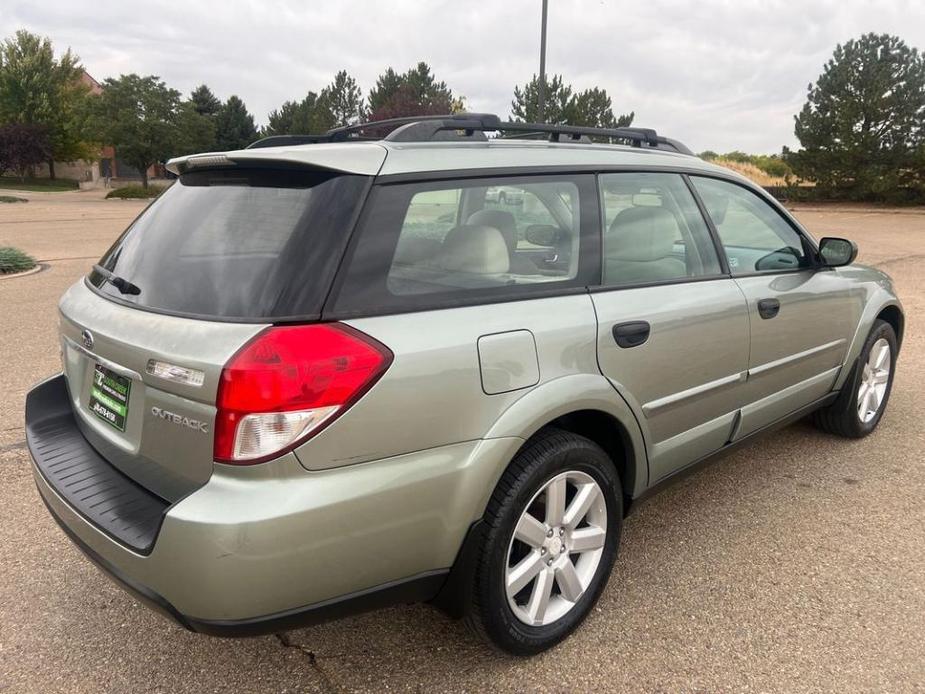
(865,403)
(873,396)
(539,597)
(525,571)
(530,531)
(568,580)
(883,357)
(881,377)
(586,496)
(555,502)
(587,539)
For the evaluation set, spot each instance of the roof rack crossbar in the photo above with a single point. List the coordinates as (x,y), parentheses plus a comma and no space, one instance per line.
(472,126)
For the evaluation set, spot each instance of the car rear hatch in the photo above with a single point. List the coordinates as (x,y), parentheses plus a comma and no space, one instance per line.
(219,257)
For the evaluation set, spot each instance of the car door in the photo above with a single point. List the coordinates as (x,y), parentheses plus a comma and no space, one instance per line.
(672,326)
(801,315)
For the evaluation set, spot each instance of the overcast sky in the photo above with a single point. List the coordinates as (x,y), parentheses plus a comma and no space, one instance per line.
(715,74)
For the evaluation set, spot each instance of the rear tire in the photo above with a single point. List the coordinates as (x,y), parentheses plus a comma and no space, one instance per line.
(568,552)
(864,396)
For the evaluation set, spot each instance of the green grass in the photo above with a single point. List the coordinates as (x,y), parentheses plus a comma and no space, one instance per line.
(11,198)
(134,192)
(38,185)
(14,260)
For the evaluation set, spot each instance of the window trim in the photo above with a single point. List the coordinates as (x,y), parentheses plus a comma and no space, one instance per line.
(589,269)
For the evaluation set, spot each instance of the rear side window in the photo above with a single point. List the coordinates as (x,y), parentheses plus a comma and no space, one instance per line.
(654,230)
(256,245)
(754,235)
(431,244)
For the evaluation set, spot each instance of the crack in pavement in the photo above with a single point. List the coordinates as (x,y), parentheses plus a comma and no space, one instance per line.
(898,259)
(326,679)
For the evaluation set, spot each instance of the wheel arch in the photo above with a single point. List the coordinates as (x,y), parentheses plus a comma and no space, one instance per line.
(884,306)
(586,405)
(893,315)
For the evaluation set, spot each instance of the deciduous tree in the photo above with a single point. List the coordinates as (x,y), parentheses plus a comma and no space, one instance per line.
(309,116)
(138,116)
(22,147)
(38,89)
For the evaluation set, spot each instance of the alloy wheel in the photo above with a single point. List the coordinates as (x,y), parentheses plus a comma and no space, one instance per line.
(875,378)
(556,548)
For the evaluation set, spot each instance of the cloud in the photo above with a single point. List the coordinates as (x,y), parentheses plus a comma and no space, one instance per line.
(716,74)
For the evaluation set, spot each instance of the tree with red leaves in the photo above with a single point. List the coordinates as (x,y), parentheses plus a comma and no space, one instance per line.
(22,148)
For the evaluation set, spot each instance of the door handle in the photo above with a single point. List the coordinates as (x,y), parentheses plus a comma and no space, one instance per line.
(768,308)
(631,334)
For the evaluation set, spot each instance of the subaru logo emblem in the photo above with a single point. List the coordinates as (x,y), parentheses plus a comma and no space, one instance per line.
(87,338)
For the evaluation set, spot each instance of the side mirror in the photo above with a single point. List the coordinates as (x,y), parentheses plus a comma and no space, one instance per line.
(837,252)
(543,234)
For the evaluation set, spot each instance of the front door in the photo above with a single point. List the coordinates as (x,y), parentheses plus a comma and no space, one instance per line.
(801,316)
(672,328)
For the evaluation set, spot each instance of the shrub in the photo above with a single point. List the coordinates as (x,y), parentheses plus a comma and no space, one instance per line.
(11,198)
(134,192)
(14,260)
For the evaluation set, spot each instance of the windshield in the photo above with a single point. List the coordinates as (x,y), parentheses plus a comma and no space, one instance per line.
(253,245)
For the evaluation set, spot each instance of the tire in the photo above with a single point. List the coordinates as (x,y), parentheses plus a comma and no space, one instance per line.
(843,417)
(536,472)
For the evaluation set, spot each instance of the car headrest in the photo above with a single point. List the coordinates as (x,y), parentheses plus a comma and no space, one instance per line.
(501,220)
(642,234)
(476,249)
(716,203)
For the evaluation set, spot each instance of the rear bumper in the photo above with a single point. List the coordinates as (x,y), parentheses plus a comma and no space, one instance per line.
(270,547)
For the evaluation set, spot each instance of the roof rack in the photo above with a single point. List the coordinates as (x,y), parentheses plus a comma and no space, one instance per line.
(473,126)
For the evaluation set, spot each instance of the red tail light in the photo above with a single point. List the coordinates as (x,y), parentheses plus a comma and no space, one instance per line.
(288,383)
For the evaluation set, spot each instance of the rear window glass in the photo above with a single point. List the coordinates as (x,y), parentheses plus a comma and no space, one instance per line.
(246,245)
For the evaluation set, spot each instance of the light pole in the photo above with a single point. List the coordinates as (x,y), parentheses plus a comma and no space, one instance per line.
(541,111)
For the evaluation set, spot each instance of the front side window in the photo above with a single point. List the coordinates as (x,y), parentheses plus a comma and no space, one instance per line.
(653,230)
(754,235)
(438,243)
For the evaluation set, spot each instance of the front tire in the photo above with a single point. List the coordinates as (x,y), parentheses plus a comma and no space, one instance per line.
(551,532)
(866,391)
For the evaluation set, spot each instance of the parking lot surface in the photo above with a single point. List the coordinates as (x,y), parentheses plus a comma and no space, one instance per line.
(795,564)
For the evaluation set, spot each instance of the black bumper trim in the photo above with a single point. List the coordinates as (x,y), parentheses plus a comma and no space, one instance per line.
(88,483)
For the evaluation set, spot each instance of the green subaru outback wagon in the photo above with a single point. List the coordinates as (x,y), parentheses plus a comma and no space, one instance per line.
(330,373)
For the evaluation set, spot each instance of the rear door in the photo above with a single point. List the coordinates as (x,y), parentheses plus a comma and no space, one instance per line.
(672,326)
(801,316)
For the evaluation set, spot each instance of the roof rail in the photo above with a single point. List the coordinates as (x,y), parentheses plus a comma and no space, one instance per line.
(473,126)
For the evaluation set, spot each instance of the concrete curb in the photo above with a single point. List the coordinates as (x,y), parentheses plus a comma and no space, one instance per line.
(37,269)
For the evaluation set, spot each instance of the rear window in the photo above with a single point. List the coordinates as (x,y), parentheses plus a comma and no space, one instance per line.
(431,244)
(256,245)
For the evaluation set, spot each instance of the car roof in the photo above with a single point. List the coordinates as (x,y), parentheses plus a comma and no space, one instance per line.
(384,158)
